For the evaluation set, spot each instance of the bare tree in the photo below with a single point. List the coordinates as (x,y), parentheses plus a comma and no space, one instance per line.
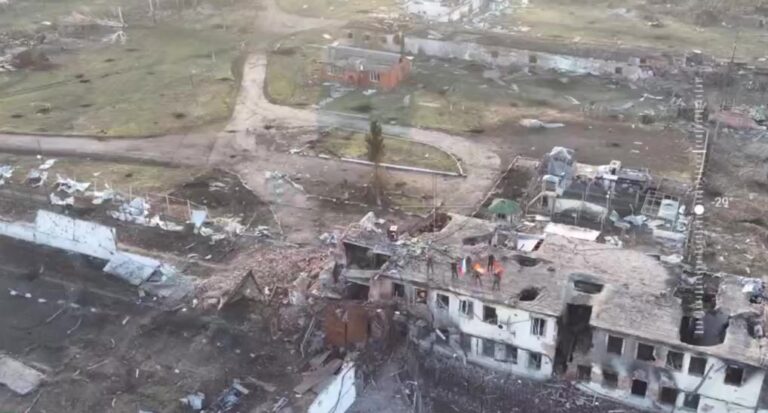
(374,142)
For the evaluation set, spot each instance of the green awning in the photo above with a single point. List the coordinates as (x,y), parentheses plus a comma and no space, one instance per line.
(504,206)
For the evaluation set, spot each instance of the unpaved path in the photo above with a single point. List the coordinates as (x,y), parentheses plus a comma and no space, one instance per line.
(248,147)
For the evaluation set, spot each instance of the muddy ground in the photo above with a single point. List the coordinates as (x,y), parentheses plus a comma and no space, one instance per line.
(102,349)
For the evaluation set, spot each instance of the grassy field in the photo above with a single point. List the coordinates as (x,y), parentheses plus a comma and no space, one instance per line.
(168,77)
(349,144)
(338,9)
(124,177)
(293,75)
(609,23)
(160,80)
(456,97)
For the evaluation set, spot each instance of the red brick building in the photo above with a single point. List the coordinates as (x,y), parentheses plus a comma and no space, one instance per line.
(365,68)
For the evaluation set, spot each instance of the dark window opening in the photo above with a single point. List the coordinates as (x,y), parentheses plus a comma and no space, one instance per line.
(532,59)
(354,291)
(465,342)
(675,360)
(528,294)
(618,70)
(479,239)
(363,258)
(489,348)
(534,361)
(615,345)
(643,61)
(494,54)
(639,387)
(668,396)
(466,307)
(587,287)
(350,35)
(734,375)
(697,366)
(367,37)
(511,355)
(584,373)
(421,296)
(645,352)
(442,301)
(691,401)
(538,327)
(398,290)
(610,379)
(489,315)
(383,40)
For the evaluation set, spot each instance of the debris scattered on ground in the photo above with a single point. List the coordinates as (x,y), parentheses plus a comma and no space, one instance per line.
(537,124)
(229,398)
(19,377)
(6,172)
(194,401)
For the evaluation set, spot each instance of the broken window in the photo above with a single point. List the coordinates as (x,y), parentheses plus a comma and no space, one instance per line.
(465,342)
(584,373)
(398,290)
(645,352)
(587,287)
(489,348)
(511,354)
(466,308)
(534,361)
(675,360)
(489,315)
(610,379)
(691,401)
(668,395)
(697,366)
(615,345)
(421,296)
(532,59)
(639,387)
(734,375)
(442,301)
(538,326)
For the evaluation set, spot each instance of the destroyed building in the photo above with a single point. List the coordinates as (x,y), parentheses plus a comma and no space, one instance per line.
(609,198)
(445,11)
(364,68)
(617,321)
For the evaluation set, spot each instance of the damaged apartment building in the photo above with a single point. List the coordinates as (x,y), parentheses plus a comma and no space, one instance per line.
(617,321)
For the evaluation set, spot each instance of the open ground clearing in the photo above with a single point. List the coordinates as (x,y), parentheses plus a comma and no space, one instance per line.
(350,144)
(171,76)
(340,9)
(682,26)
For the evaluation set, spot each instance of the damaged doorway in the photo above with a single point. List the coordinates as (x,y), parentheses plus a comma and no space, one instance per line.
(575,335)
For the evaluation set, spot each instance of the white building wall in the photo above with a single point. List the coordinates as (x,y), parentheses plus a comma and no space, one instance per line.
(715,395)
(514,327)
(504,56)
(713,386)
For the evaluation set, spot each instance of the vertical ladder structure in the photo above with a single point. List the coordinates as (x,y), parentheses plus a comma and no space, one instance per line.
(697,241)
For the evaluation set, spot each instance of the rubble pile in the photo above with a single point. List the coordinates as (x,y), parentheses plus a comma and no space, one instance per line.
(261,272)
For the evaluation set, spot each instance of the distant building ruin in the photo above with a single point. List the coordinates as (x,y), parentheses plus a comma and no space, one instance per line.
(363,68)
(445,11)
